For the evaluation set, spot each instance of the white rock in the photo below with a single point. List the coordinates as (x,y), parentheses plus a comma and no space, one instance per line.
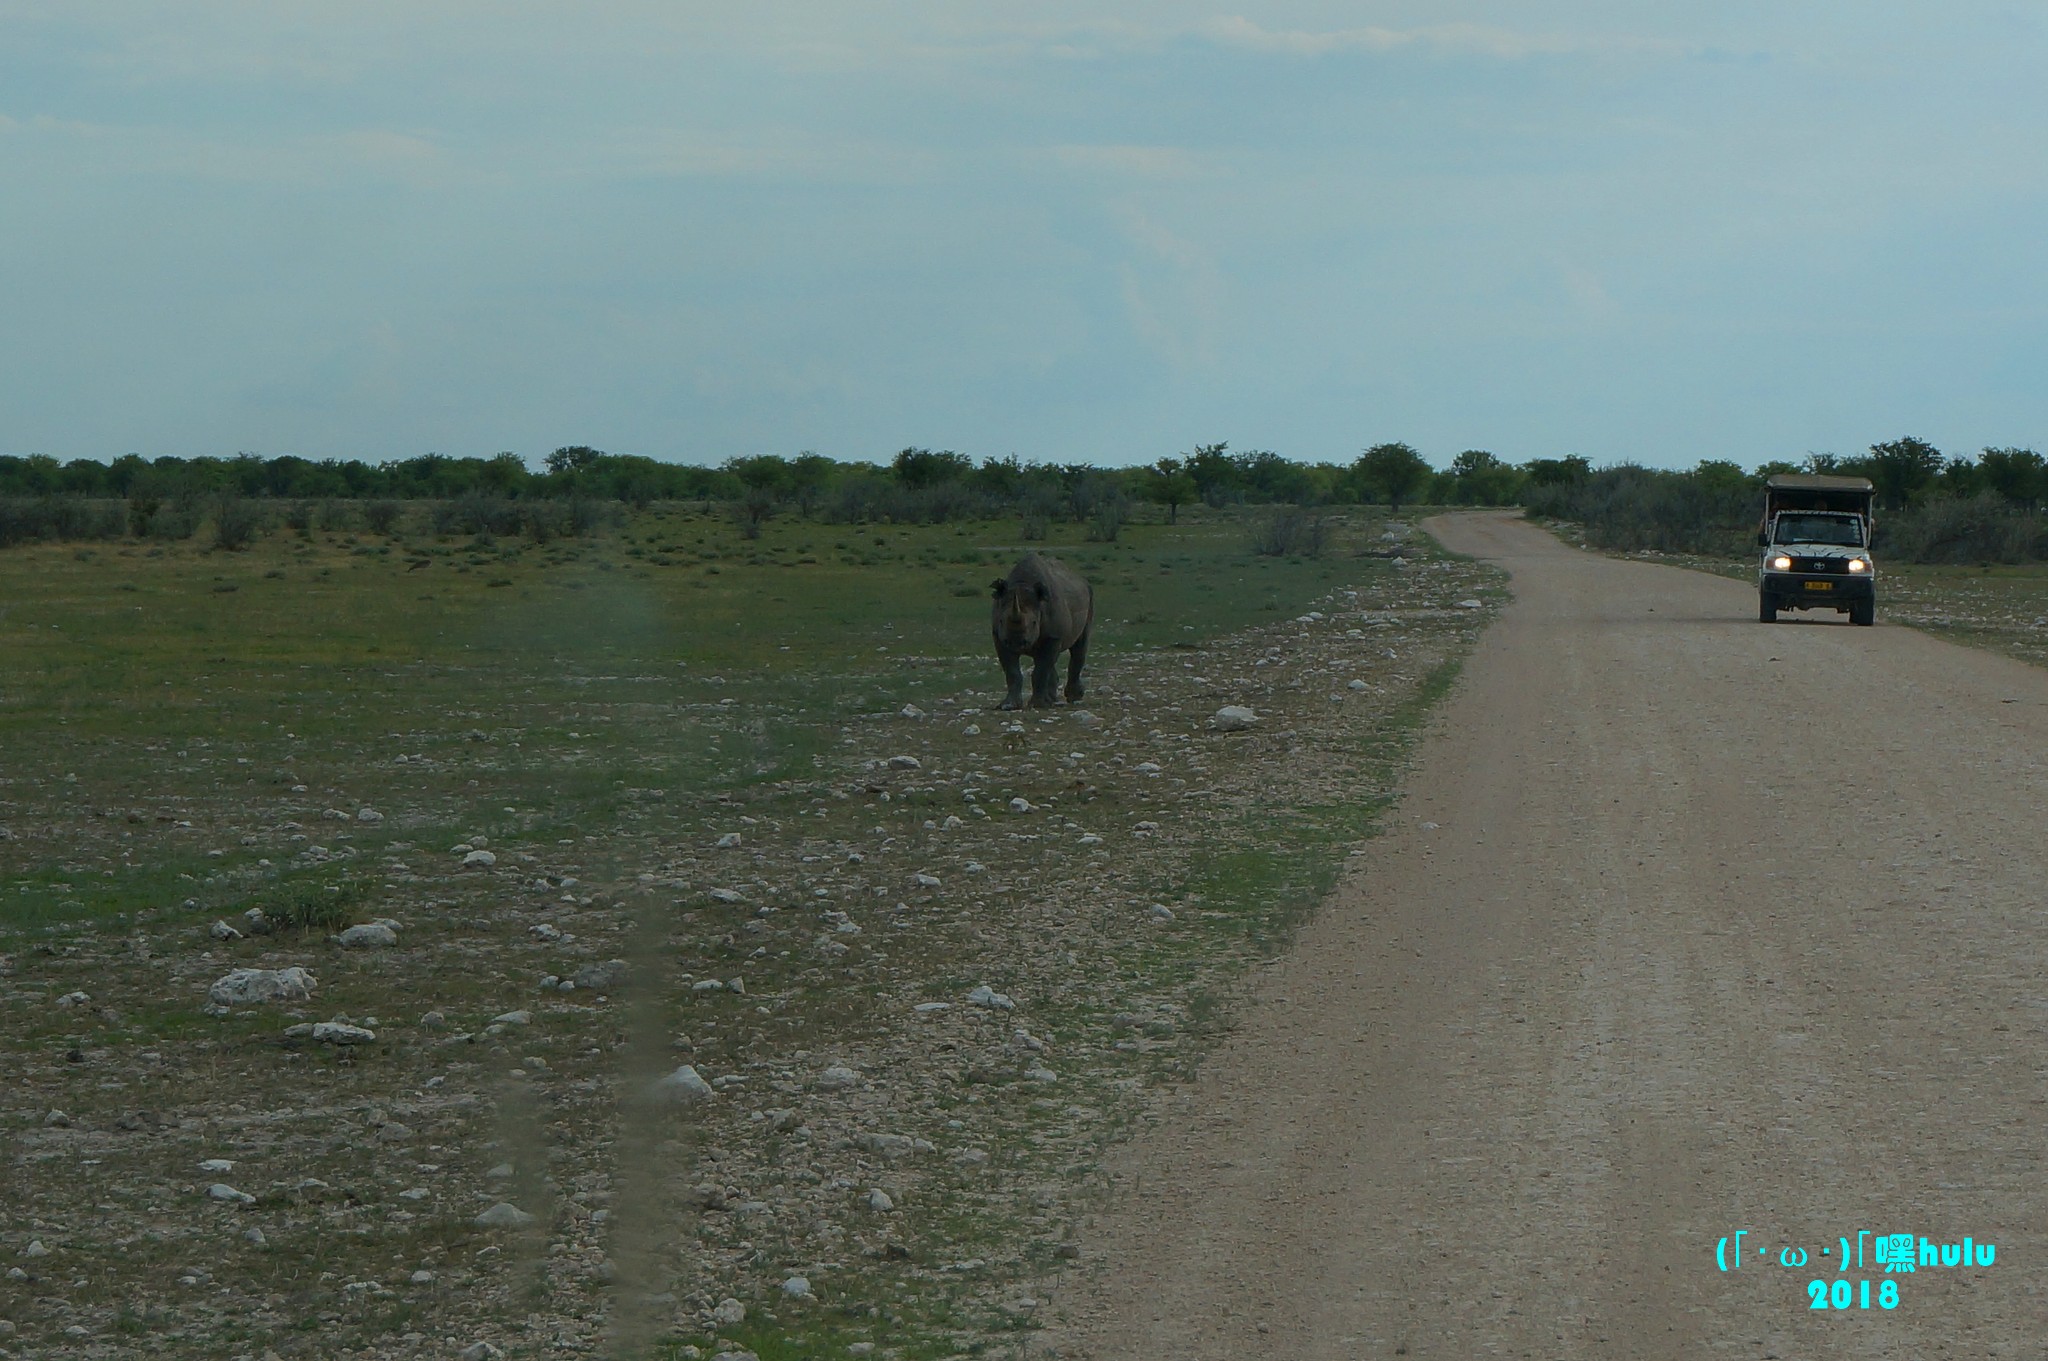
(1147,768)
(421,1277)
(729,1313)
(925,880)
(479,1351)
(1161,912)
(879,1201)
(220,930)
(248,987)
(501,1172)
(905,763)
(837,1078)
(985,996)
(1233,718)
(513,1018)
(724,895)
(36,1249)
(927,1007)
(911,711)
(797,1288)
(228,1195)
(1357,685)
(545,931)
(503,1215)
(479,860)
(971,730)
(370,815)
(1471,604)
(339,1032)
(222,1165)
(369,936)
(1020,805)
(1040,1075)
(1090,839)
(728,841)
(684,1087)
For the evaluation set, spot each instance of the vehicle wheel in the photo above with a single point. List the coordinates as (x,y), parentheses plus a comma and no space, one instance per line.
(1766,609)
(1863,612)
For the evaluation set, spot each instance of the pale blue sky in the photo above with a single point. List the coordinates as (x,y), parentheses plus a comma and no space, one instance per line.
(1099,232)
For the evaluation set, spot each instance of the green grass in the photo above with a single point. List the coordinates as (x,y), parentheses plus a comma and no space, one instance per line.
(142,694)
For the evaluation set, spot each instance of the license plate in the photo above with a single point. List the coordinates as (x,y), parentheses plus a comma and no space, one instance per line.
(1820,585)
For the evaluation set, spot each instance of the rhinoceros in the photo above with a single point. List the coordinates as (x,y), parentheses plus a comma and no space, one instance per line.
(1043,608)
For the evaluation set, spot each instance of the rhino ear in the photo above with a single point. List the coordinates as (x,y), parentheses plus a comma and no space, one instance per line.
(1001,585)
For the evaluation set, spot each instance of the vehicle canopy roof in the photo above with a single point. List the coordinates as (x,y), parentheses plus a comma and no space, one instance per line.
(1812,491)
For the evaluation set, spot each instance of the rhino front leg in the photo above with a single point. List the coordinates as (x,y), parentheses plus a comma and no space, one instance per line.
(1013,672)
(1045,675)
(1075,657)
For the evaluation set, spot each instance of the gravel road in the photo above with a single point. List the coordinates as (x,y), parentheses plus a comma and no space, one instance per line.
(1688,925)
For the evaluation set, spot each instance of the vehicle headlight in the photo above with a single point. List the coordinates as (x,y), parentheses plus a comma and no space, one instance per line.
(1781,563)
(1858,565)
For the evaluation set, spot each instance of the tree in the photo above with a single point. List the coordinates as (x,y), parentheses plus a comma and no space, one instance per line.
(1214,473)
(1392,472)
(572,458)
(1902,469)
(808,474)
(759,472)
(1168,484)
(923,468)
(1478,478)
(1719,474)
(2018,475)
(1558,472)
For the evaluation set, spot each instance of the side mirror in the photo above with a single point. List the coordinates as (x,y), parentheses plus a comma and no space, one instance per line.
(1763,540)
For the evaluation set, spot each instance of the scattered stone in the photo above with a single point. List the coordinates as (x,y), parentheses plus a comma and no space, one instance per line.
(220,930)
(331,1032)
(479,1351)
(502,1172)
(254,1235)
(1358,685)
(724,895)
(905,763)
(911,711)
(545,932)
(985,996)
(421,1278)
(684,1087)
(729,1313)
(879,1201)
(369,936)
(503,1215)
(513,1018)
(35,1249)
(433,1020)
(1233,718)
(925,880)
(257,923)
(609,976)
(73,999)
(57,1120)
(730,841)
(1040,1075)
(479,860)
(249,987)
(797,1288)
(1020,805)
(392,1132)
(1471,604)
(1161,912)
(221,1165)
(837,1078)
(369,815)
(1149,768)
(228,1195)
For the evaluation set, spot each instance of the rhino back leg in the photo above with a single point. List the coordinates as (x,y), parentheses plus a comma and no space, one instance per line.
(1076,656)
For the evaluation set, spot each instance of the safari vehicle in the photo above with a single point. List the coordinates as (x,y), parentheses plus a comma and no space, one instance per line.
(1816,541)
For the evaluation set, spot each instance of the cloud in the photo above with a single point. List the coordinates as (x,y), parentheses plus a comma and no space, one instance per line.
(1460,39)
(1131,162)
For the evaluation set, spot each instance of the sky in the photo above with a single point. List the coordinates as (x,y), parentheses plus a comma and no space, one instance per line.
(1102,232)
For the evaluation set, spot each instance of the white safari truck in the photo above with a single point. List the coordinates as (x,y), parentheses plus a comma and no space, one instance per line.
(1816,542)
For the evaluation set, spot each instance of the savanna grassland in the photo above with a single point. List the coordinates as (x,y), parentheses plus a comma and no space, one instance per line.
(749,799)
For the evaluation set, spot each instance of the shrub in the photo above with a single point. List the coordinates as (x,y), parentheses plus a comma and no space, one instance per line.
(382,517)
(307,905)
(236,523)
(1289,531)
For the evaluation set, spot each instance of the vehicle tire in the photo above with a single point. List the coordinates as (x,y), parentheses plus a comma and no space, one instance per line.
(1863,612)
(1766,609)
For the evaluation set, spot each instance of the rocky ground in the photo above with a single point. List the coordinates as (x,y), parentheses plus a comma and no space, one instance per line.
(816,1068)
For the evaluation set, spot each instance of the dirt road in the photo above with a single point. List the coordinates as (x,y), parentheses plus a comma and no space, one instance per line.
(1690,925)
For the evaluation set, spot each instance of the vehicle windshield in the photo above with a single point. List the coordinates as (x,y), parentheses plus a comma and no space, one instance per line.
(1845,530)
